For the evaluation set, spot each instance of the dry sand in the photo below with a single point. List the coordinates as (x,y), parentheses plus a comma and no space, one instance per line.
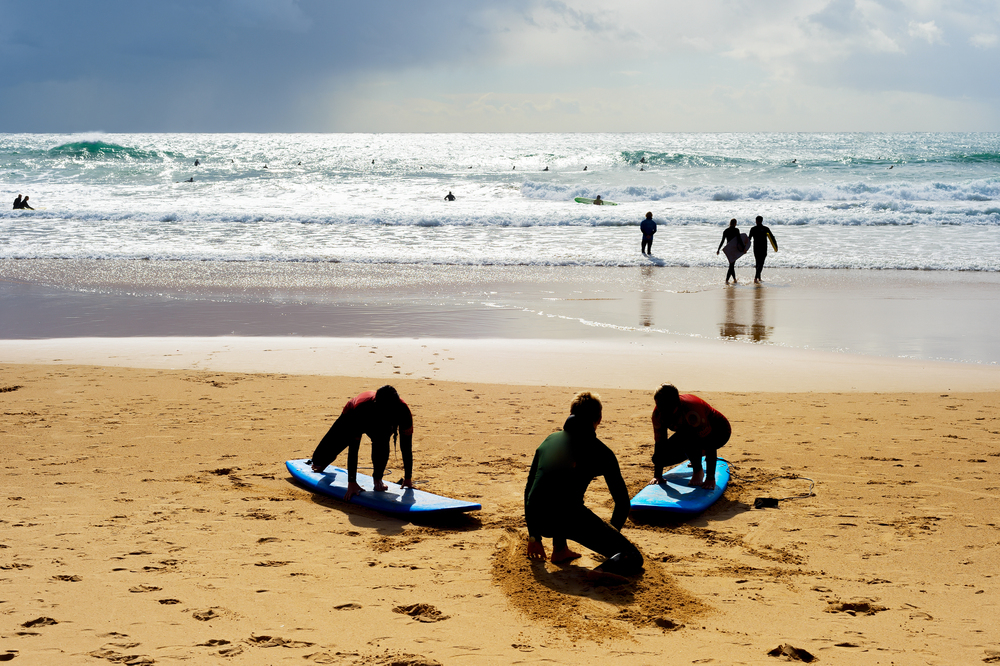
(148,518)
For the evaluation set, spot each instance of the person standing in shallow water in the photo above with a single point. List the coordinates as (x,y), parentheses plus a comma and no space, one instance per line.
(563,467)
(730,233)
(761,236)
(648,228)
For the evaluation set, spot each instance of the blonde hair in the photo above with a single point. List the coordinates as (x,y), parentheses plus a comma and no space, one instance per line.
(587,406)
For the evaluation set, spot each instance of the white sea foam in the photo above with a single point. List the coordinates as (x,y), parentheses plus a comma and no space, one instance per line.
(322,198)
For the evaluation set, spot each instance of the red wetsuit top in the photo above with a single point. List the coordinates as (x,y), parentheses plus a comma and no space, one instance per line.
(694,416)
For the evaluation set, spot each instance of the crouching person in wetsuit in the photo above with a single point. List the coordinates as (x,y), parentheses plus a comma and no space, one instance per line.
(699,430)
(564,465)
(379,414)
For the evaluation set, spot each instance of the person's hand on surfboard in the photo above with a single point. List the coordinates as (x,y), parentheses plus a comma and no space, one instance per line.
(352,490)
(536,551)
(657,481)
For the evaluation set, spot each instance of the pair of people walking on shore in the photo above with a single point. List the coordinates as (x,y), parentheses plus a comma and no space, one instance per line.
(760,236)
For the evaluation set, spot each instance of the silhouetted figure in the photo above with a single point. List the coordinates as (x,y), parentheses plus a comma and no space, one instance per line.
(24,203)
(197,163)
(730,233)
(449,196)
(17,202)
(648,228)
(598,201)
(761,236)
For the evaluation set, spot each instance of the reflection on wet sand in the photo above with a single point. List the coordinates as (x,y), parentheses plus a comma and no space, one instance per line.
(733,328)
(647,291)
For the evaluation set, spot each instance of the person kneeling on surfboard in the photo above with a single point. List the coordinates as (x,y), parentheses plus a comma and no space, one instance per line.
(380,415)
(699,430)
(564,465)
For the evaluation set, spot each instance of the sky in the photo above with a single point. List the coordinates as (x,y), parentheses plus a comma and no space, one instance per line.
(499,65)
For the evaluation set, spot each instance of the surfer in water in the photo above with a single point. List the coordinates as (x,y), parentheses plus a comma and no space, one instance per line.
(598,201)
(22,204)
(699,430)
(450,196)
(564,465)
(761,236)
(648,228)
(17,202)
(379,414)
(729,234)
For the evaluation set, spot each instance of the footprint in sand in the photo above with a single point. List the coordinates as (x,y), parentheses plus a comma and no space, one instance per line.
(68,579)
(144,588)
(275,641)
(421,612)
(39,622)
(205,615)
(347,607)
(169,602)
(213,642)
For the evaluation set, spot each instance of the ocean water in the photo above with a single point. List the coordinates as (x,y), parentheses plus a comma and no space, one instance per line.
(860,201)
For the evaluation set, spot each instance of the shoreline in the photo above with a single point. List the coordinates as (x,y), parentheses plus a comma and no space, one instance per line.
(692,365)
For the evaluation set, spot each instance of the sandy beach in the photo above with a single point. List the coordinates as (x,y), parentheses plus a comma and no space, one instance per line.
(148,518)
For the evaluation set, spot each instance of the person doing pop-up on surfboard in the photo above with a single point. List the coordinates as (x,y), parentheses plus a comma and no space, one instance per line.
(380,415)
(564,465)
(699,430)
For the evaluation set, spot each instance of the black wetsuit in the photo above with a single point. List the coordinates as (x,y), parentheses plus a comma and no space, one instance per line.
(728,235)
(758,234)
(564,465)
(361,417)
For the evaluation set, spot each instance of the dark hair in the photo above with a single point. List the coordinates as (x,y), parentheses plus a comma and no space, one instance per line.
(759,218)
(587,406)
(387,397)
(667,397)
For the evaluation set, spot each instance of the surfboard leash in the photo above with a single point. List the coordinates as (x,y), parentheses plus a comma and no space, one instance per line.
(772,502)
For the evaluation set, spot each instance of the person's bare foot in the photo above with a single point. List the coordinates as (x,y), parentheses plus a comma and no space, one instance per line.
(697,478)
(379,486)
(564,555)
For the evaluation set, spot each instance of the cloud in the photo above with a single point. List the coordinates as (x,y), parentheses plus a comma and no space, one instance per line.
(929,32)
(529,65)
(984,41)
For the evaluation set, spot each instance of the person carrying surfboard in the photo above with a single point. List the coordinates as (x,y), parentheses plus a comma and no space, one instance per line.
(648,228)
(699,430)
(379,414)
(564,465)
(761,236)
(731,232)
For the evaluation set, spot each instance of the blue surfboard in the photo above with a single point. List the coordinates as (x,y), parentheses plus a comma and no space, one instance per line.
(396,500)
(676,496)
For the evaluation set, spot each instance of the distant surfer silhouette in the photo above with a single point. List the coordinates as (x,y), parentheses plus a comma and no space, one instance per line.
(197,163)
(584,168)
(598,201)
(449,196)
(22,204)
(545,169)
(17,202)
